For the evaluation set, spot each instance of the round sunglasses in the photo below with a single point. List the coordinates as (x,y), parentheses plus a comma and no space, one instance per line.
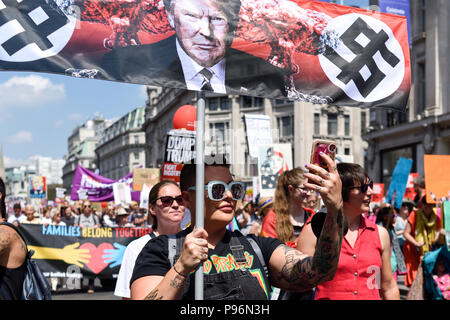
(167,201)
(216,190)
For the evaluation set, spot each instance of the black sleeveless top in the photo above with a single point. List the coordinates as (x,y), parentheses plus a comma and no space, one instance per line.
(11,282)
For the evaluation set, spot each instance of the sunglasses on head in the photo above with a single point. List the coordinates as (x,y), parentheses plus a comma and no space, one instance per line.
(167,201)
(364,187)
(216,190)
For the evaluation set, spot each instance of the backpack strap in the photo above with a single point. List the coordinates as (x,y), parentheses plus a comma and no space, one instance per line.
(237,250)
(259,254)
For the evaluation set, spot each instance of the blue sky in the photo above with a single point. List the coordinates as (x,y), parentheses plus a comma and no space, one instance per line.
(39,111)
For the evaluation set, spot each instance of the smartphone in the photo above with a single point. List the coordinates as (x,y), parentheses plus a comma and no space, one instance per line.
(326,146)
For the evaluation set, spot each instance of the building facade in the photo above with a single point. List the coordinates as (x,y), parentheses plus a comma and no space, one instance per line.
(297,123)
(81,146)
(425,126)
(122,146)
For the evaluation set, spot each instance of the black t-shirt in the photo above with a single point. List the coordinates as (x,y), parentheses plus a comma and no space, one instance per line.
(153,259)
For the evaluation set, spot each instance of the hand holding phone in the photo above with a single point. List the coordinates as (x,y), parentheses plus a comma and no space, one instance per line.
(328,147)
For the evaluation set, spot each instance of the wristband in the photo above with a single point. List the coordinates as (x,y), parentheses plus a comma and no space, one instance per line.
(184,276)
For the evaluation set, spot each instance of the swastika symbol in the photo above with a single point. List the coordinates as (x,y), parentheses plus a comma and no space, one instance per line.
(368,64)
(38,20)
(364,57)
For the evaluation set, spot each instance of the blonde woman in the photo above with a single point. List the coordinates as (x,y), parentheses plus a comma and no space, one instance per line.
(289,214)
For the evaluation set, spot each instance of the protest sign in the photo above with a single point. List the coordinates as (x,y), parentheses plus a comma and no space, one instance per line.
(141,176)
(272,161)
(38,187)
(437,177)
(258,132)
(397,186)
(409,191)
(180,149)
(338,55)
(122,194)
(378,192)
(74,252)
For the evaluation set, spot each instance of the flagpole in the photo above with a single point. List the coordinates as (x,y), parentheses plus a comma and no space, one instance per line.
(200,182)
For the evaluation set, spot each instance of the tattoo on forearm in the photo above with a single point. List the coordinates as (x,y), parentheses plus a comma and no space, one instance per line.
(153,295)
(177,282)
(306,272)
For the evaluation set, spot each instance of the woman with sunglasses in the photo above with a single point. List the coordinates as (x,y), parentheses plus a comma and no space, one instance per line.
(167,209)
(235,267)
(364,269)
(289,213)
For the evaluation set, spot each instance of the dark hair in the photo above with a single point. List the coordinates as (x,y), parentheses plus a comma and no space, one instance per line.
(189,170)
(349,173)
(383,212)
(423,200)
(2,199)
(153,195)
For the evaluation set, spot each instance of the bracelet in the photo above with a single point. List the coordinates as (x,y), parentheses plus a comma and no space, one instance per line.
(184,276)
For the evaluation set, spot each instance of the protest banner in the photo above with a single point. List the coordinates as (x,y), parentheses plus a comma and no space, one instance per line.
(397,186)
(87,185)
(74,252)
(141,176)
(272,161)
(378,193)
(338,55)
(437,177)
(258,132)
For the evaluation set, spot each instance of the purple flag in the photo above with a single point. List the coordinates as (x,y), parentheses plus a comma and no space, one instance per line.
(98,188)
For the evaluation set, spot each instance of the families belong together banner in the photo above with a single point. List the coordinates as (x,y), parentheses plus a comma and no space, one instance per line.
(284,49)
(68,251)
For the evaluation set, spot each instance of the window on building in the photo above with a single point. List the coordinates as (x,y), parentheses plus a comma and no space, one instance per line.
(347,151)
(252,102)
(219,131)
(363,121)
(421,88)
(136,139)
(213,104)
(422,16)
(285,126)
(225,103)
(332,124)
(346,125)
(316,123)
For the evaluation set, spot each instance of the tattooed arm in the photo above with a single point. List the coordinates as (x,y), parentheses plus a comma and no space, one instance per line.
(170,286)
(294,270)
(12,248)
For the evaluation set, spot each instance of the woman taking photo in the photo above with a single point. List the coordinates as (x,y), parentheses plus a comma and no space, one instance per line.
(364,268)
